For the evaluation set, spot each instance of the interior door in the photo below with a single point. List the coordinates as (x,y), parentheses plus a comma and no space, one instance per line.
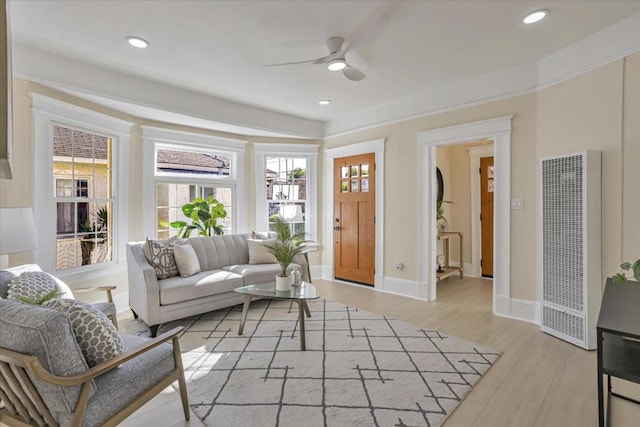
(487,185)
(354,218)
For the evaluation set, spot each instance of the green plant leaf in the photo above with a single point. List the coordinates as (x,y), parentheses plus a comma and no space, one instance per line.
(187,208)
(620,278)
(625,266)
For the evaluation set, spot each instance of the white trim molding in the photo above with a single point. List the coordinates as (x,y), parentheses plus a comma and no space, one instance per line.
(475,154)
(377,147)
(519,309)
(47,111)
(499,131)
(308,151)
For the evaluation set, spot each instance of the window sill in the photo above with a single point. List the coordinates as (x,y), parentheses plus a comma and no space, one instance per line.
(85,274)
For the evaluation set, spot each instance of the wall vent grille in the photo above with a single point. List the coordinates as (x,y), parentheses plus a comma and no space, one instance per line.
(563,322)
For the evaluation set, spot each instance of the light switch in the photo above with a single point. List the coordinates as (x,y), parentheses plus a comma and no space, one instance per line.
(517,204)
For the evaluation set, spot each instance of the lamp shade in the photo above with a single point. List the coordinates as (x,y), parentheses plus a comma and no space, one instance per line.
(17,230)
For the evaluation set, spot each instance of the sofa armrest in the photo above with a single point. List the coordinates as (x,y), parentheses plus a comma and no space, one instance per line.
(144,289)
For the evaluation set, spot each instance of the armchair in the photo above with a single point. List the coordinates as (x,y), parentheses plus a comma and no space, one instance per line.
(44,379)
(108,308)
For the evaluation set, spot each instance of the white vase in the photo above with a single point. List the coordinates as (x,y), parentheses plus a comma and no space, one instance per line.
(283,283)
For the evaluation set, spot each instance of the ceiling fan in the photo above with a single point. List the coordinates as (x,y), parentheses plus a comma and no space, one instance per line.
(336,59)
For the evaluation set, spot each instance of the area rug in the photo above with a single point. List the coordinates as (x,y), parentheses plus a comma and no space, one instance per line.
(359,369)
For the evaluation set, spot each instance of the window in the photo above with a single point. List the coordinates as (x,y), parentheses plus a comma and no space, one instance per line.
(80,221)
(285,183)
(182,166)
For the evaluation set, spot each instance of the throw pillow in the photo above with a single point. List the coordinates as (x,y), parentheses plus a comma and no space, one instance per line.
(34,287)
(186,259)
(99,340)
(259,254)
(263,235)
(160,255)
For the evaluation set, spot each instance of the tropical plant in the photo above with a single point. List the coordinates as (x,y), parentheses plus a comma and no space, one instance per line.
(204,215)
(95,232)
(634,269)
(287,244)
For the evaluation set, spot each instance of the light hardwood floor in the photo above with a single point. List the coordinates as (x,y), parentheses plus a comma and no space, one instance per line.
(538,381)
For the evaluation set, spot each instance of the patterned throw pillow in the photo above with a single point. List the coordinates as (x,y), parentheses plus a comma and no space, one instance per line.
(99,340)
(34,285)
(159,253)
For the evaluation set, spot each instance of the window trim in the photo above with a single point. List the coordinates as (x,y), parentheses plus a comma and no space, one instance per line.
(154,137)
(48,112)
(310,151)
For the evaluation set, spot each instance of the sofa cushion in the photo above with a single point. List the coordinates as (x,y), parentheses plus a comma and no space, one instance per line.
(216,252)
(118,387)
(159,253)
(99,340)
(258,273)
(46,334)
(186,259)
(204,284)
(259,253)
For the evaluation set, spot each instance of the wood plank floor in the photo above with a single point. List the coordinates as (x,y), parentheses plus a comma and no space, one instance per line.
(539,380)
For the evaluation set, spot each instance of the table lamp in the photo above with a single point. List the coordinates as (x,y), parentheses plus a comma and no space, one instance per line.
(17,233)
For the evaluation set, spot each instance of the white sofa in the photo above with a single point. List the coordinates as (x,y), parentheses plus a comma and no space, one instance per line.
(224,261)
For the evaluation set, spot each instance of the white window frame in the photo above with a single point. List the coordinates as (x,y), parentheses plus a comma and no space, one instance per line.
(154,138)
(48,112)
(310,152)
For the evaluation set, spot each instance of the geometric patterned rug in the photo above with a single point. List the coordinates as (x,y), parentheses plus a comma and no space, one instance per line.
(359,368)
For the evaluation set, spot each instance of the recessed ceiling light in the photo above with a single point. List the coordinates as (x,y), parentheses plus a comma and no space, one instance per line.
(324,102)
(337,64)
(137,42)
(536,16)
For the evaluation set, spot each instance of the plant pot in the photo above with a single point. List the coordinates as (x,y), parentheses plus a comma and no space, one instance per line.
(283,283)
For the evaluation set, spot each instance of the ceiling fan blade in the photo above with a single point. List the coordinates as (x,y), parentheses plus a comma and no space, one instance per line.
(308,61)
(352,73)
(372,28)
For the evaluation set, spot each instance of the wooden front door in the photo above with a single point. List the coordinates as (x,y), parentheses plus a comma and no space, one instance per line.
(354,218)
(487,185)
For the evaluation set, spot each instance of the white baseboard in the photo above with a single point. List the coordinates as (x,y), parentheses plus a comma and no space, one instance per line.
(517,309)
(393,285)
(316,271)
(121,300)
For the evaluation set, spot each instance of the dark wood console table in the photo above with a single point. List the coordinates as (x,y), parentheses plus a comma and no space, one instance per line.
(618,332)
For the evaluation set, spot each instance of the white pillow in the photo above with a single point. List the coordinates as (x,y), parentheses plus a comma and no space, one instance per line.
(263,235)
(259,254)
(186,259)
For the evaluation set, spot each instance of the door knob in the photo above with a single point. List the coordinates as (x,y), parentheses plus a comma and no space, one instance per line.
(337,228)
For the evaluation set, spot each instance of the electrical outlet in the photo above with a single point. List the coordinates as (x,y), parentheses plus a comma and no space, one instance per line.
(517,204)
(399,265)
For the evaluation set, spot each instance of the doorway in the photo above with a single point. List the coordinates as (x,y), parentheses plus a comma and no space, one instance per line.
(354,218)
(377,148)
(497,130)
(487,189)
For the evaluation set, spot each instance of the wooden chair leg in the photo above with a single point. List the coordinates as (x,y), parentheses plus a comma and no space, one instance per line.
(181,381)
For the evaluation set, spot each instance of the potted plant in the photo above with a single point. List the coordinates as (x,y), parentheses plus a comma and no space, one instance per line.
(627,266)
(204,215)
(286,246)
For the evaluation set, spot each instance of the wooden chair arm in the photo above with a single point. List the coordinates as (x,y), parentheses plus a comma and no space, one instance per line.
(107,289)
(32,362)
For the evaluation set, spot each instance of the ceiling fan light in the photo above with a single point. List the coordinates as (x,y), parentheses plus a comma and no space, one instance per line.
(337,64)
(137,42)
(536,16)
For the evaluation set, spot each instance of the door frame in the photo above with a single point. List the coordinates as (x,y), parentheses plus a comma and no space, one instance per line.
(475,154)
(377,147)
(499,131)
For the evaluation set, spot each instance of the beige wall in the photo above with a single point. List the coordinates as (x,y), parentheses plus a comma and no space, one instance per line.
(631,160)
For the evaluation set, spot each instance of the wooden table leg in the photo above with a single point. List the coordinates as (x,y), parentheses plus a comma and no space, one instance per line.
(306,308)
(245,310)
(301,310)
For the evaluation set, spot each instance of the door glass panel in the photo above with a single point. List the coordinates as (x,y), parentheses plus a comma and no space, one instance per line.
(354,186)
(354,170)
(344,186)
(490,172)
(364,170)
(364,183)
(490,186)
(344,172)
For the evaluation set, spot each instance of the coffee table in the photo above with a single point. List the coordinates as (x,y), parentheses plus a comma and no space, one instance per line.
(299,294)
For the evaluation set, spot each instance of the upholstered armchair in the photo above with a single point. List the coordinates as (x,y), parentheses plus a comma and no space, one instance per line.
(107,307)
(46,380)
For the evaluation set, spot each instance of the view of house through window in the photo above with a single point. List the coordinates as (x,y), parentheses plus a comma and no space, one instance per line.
(286,180)
(201,174)
(82,172)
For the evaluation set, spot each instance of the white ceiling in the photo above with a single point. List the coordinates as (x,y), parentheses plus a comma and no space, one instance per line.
(218,48)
